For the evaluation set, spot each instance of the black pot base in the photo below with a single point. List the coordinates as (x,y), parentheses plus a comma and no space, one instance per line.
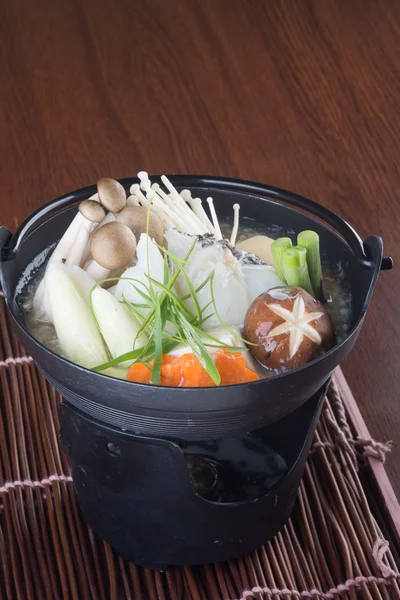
(141,496)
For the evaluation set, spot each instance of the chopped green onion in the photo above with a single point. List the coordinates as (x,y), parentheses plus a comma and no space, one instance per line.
(310,241)
(305,281)
(290,261)
(295,270)
(278,247)
(166,271)
(158,345)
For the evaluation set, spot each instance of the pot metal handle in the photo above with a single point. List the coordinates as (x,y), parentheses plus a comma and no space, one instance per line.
(373,249)
(387,263)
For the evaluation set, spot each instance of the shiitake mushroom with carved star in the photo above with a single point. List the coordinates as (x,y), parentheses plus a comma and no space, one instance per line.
(287,328)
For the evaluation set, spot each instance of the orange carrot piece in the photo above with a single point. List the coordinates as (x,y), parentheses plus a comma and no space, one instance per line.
(139,373)
(233,368)
(187,371)
(194,374)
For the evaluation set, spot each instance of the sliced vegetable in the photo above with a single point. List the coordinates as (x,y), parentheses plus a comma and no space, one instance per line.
(295,270)
(77,332)
(187,371)
(290,261)
(278,247)
(261,246)
(310,241)
(135,279)
(233,368)
(260,279)
(305,281)
(117,324)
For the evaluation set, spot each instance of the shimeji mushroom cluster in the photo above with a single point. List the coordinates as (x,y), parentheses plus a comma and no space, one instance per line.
(102,237)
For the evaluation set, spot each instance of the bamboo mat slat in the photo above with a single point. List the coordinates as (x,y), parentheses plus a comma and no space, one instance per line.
(336,545)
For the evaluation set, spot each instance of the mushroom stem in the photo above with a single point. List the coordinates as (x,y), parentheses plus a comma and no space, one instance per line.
(136,191)
(158,207)
(163,212)
(236,209)
(181,205)
(113,247)
(164,197)
(96,271)
(197,207)
(144,179)
(191,222)
(174,210)
(109,218)
(92,213)
(132,200)
(172,217)
(186,220)
(60,254)
(76,253)
(218,233)
(166,215)
(66,242)
(112,276)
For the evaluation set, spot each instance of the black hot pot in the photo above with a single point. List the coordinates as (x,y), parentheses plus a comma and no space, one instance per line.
(188,476)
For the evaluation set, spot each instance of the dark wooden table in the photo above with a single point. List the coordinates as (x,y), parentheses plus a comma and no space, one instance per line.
(300,94)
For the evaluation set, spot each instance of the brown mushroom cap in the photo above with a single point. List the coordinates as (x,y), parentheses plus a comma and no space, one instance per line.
(113,246)
(111,194)
(135,217)
(92,210)
(283,344)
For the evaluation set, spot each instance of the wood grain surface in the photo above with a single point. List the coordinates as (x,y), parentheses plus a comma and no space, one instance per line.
(299,94)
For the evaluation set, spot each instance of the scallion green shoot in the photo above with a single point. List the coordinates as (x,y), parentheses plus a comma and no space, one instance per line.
(295,270)
(278,247)
(310,241)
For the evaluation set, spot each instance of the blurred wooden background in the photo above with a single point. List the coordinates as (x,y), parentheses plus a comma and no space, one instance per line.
(299,94)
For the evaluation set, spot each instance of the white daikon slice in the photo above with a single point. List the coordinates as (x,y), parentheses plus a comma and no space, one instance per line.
(149,262)
(118,326)
(76,329)
(260,279)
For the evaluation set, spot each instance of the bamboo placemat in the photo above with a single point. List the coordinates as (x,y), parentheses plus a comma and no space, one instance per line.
(335,546)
